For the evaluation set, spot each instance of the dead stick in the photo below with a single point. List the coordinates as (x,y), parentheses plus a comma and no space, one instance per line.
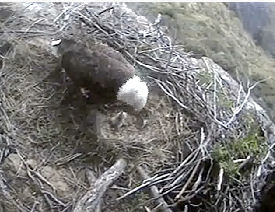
(188,181)
(163,207)
(92,198)
(92,179)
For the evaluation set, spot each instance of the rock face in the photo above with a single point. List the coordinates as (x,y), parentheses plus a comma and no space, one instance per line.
(254,15)
(258,20)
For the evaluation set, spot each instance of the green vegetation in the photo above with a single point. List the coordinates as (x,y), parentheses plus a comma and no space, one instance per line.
(253,145)
(223,98)
(205,78)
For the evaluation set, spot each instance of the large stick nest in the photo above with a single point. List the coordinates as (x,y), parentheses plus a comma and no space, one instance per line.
(47,148)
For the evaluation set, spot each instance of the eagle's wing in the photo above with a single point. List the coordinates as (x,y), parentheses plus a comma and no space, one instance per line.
(100,69)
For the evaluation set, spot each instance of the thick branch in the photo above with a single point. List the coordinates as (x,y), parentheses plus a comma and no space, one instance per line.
(92,198)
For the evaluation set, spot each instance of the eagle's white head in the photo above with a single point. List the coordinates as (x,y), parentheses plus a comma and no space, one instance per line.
(134,92)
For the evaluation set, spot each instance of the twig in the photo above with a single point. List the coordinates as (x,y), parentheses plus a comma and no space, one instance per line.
(144,185)
(67,159)
(171,95)
(53,198)
(105,10)
(240,107)
(154,192)
(219,185)
(188,181)
(36,203)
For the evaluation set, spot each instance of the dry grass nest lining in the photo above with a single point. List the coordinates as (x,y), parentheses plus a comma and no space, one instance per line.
(35,105)
(182,125)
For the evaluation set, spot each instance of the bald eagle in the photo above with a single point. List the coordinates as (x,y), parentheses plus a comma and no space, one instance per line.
(104,73)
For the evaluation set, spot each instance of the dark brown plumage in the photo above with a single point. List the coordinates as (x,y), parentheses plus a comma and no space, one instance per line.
(101,69)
